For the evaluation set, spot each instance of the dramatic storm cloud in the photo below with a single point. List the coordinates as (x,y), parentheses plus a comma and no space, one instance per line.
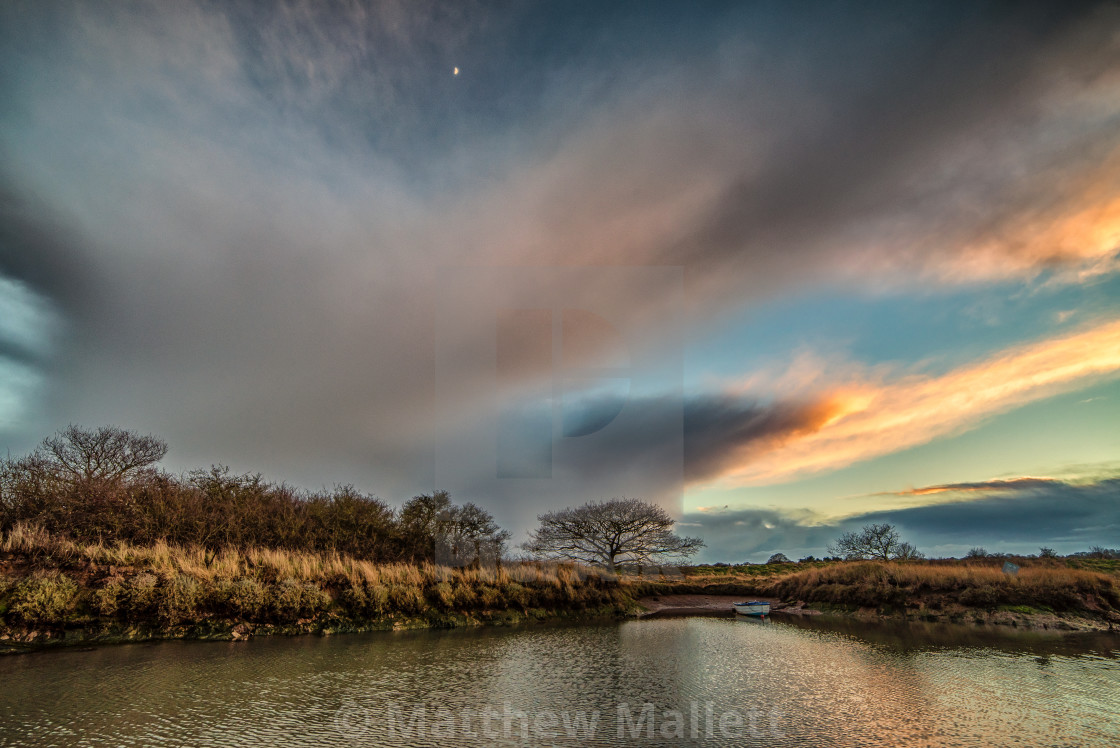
(1016,516)
(238,225)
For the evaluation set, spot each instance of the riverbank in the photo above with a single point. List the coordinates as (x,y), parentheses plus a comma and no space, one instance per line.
(55,592)
(675,606)
(1025,618)
(1046,594)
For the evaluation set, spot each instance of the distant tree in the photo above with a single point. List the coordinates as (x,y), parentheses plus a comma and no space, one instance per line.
(103,485)
(422,519)
(107,455)
(976,553)
(471,537)
(1045,552)
(907,552)
(778,558)
(610,533)
(431,525)
(349,521)
(805,560)
(79,481)
(878,541)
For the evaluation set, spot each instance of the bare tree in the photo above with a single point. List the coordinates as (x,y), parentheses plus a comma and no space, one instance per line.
(422,519)
(109,454)
(879,541)
(609,533)
(471,538)
(907,552)
(432,527)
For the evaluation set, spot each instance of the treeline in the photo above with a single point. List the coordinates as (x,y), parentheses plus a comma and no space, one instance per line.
(1094,552)
(102,486)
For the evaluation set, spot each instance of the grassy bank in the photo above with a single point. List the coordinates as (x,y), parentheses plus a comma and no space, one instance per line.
(1052,586)
(54,590)
(1048,593)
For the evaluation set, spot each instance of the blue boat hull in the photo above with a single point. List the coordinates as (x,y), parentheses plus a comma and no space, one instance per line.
(753,608)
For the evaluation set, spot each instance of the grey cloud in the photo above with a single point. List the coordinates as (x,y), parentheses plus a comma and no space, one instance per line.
(886,147)
(1064,516)
(716,431)
(37,251)
(245,215)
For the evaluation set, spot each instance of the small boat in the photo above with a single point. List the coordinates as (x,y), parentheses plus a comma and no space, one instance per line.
(753,608)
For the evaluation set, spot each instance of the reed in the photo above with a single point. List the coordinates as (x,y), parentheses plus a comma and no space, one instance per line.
(55,581)
(1044,584)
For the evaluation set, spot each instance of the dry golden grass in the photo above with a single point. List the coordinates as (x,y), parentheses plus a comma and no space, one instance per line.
(169,583)
(1043,584)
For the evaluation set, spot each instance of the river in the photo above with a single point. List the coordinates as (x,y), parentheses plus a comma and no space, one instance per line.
(696,681)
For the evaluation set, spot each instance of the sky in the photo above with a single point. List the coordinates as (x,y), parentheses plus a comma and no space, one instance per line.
(783,269)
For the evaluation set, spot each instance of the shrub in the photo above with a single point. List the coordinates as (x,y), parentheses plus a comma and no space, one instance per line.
(491,597)
(111,600)
(354,599)
(406,598)
(366,600)
(178,600)
(378,596)
(45,598)
(442,595)
(5,604)
(465,597)
(142,596)
(291,600)
(516,594)
(102,485)
(243,598)
(285,600)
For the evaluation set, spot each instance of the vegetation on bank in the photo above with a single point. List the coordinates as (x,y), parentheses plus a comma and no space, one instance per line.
(936,587)
(95,542)
(53,588)
(50,584)
(1071,593)
(102,486)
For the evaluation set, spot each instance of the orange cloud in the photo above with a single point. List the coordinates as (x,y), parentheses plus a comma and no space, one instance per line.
(982,487)
(1078,235)
(873,418)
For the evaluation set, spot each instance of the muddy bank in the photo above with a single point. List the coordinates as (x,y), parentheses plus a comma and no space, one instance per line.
(666,606)
(1025,620)
(33,639)
(672,606)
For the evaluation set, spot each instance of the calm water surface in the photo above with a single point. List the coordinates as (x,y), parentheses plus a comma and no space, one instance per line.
(696,681)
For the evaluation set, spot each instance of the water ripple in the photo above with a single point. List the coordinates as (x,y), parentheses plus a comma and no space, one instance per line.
(700,681)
